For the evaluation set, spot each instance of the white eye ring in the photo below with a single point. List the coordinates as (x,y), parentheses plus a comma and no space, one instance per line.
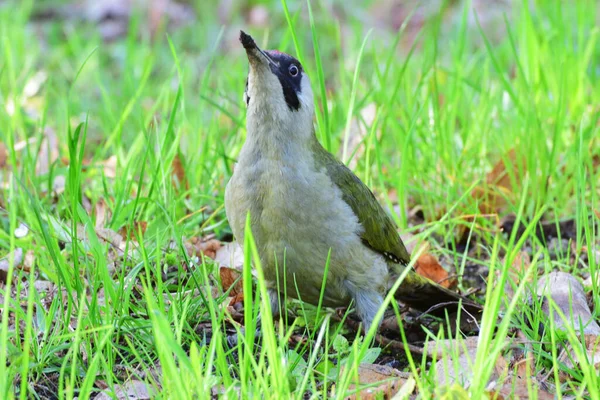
(293,70)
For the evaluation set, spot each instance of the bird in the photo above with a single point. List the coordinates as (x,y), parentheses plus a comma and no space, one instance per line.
(308,210)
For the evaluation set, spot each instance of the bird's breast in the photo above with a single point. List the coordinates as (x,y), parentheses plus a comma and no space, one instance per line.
(297,216)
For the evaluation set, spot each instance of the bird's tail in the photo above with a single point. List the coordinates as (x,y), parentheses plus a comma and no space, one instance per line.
(425,295)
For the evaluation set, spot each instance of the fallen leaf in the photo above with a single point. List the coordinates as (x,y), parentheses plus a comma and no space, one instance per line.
(516,272)
(132,231)
(383,381)
(428,266)
(198,246)
(592,347)
(130,390)
(179,177)
(569,296)
(492,196)
(520,265)
(29,260)
(3,155)
(588,282)
(455,360)
(229,276)
(518,381)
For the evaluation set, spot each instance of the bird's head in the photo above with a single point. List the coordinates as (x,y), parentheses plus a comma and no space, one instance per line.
(277,90)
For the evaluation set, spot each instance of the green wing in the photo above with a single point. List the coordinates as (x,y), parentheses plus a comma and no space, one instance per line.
(380,232)
(380,235)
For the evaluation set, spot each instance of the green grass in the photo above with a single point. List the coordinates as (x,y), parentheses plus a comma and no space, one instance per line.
(447,109)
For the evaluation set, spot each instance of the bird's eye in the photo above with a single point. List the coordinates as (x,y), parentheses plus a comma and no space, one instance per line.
(293,70)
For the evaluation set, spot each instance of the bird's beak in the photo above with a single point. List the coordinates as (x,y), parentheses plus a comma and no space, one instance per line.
(255,55)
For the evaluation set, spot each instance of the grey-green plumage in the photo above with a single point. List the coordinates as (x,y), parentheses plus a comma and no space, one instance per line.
(308,209)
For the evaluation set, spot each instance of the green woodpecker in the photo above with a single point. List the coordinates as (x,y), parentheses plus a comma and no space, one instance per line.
(304,204)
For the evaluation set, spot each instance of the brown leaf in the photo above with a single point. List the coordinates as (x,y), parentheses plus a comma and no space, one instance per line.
(3,155)
(29,260)
(499,183)
(228,279)
(592,348)
(132,231)
(198,246)
(179,178)
(388,382)
(520,265)
(517,271)
(515,382)
(428,266)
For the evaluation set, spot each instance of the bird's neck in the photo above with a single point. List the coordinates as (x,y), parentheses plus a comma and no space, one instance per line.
(279,140)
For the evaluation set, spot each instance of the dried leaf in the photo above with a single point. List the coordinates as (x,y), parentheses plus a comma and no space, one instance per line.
(520,265)
(499,183)
(428,266)
(229,276)
(517,271)
(569,296)
(198,246)
(452,368)
(132,231)
(131,390)
(517,382)
(29,260)
(179,178)
(3,155)
(592,348)
(388,382)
